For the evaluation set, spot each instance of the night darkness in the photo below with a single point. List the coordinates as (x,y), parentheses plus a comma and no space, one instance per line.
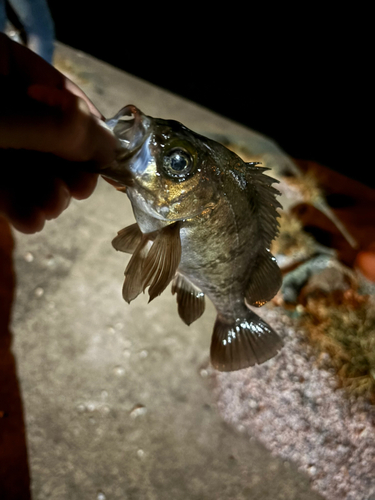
(300,77)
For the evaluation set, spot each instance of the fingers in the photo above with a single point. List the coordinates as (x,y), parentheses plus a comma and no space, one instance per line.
(27,213)
(44,93)
(72,87)
(69,125)
(26,66)
(80,135)
(28,223)
(54,117)
(30,204)
(81,185)
(57,201)
(63,125)
(29,69)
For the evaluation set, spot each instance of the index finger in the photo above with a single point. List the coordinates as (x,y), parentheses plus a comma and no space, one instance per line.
(72,87)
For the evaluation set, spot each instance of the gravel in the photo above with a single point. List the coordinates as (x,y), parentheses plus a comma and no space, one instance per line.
(293,405)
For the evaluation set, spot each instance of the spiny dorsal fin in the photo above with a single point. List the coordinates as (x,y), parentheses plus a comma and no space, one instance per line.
(162,260)
(190,299)
(265,280)
(127,239)
(264,203)
(266,277)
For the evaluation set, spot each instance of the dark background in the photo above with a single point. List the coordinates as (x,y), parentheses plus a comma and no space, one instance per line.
(298,76)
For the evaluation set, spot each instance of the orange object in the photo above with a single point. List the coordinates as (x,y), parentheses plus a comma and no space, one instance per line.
(365,262)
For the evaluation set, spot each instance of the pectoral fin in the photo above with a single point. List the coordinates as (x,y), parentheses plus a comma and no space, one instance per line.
(265,280)
(190,299)
(133,284)
(127,239)
(162,260)
(242,343)
(153,263)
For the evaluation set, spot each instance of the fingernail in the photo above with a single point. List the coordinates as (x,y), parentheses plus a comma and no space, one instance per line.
(65,196)
(68,199)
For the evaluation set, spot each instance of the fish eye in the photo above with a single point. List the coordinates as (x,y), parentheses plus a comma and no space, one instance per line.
(178,163)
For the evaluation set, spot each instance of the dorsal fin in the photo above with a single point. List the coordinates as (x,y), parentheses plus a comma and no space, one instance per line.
(162,260)
(190,299)
(264,203)
(266,277)
(127,239)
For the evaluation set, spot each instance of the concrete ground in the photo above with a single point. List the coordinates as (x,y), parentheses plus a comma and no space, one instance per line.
(116,399)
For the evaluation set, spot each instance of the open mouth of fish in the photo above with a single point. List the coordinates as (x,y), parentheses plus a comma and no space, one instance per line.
(131,127)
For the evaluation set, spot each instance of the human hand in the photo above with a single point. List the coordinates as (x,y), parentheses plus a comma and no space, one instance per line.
(42,111)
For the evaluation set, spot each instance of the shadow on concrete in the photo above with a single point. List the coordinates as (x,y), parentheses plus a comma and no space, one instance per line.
(14,468)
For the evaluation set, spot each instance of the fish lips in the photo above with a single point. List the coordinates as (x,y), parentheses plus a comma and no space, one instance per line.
(132,128)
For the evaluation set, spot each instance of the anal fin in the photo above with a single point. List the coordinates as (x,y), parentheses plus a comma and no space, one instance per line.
(265,280)
(190,300)
(242,343)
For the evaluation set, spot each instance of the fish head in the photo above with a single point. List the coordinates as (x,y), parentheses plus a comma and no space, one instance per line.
(168,168)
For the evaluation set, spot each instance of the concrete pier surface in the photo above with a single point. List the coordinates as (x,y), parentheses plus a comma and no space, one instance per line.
(116,398)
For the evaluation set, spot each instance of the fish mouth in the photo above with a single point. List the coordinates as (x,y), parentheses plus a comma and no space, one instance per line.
(131,128)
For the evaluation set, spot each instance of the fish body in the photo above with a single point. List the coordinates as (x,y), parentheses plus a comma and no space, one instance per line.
(204,221)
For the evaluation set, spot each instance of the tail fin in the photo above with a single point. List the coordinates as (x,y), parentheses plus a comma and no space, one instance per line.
(238,344)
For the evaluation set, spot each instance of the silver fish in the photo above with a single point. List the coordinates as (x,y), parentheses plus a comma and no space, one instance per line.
(205,220)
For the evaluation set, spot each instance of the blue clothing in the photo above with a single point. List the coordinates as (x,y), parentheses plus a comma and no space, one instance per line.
(37,22)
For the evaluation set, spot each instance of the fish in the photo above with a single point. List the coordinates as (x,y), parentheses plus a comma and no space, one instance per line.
(205,221)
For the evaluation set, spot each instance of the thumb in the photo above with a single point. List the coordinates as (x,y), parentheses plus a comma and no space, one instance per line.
(75,134)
